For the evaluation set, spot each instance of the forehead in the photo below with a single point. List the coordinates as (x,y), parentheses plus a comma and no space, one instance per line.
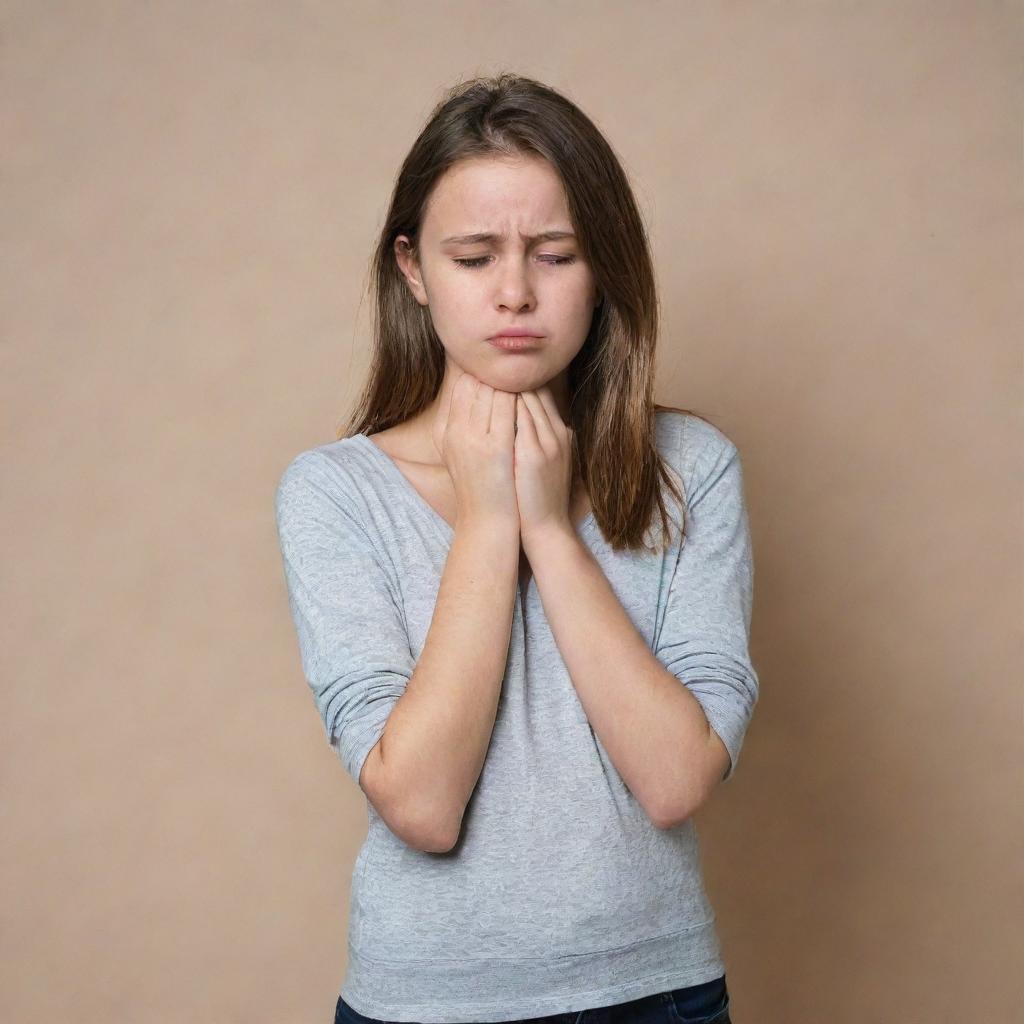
(496,194)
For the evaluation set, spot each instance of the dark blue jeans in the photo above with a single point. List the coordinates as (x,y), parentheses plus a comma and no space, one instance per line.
(707,1003)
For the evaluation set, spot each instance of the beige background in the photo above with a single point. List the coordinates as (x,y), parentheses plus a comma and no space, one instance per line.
(190,196)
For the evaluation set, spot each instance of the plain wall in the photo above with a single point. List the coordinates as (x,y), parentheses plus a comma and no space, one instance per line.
(191,192)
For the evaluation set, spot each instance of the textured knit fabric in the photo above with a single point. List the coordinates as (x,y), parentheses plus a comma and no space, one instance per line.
(560,894)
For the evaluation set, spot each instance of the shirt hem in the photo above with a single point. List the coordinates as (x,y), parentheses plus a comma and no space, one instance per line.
(558,984)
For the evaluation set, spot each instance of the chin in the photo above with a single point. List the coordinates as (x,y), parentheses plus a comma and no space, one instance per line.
(517,380)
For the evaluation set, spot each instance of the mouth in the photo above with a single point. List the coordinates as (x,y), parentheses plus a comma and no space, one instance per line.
(515,343)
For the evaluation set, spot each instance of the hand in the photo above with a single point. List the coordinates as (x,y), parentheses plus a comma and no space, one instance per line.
(474,436)
(543,465)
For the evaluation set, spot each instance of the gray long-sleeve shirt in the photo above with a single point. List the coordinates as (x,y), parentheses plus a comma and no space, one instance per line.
(560,894)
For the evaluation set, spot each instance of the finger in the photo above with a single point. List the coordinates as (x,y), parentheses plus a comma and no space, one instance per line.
(503,414)
(539,420)
(442,418)
(547,399)
(526,431)
(480,414)
(462,395)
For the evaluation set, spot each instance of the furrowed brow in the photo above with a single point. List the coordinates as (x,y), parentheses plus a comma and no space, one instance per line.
(491,236)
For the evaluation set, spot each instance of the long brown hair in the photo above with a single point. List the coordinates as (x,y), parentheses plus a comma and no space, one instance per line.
(611,379)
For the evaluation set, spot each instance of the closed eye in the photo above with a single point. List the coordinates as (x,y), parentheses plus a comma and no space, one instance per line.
(479,261)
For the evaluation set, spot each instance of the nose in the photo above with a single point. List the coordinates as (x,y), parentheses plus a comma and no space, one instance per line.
(514,290)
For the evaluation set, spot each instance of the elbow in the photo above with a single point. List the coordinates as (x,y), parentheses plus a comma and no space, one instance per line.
(405,811)
(669,816)
(676,808)
(415,830)
(443,845)
(667,807)
(678,802)
(427,819)
(672,813)
(431,834)
(418,824)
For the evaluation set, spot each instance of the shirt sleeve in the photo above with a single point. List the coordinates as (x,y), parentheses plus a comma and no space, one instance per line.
(353,643)
(706,628)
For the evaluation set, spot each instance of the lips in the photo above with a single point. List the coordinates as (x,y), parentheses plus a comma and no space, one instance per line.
(515,343)
(517,332)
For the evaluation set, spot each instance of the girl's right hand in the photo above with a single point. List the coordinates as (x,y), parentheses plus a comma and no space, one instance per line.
(475,436)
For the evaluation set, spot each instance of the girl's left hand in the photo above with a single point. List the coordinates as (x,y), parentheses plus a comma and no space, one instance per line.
(543,465)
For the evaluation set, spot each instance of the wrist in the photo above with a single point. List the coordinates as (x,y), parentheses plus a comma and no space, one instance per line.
(554,533)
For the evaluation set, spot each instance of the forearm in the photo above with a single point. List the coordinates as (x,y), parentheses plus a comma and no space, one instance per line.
(653,728)
(436,738)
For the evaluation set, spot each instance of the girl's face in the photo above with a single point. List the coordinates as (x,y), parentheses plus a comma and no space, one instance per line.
(515,277)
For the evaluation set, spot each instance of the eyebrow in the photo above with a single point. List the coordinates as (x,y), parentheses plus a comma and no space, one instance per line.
(491,236)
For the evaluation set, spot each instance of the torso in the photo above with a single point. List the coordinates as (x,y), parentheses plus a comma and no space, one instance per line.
(435,486)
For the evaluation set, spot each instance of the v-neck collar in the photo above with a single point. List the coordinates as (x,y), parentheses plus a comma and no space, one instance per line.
(392,467)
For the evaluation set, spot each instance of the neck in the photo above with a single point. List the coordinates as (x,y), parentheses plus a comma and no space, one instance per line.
(424,421)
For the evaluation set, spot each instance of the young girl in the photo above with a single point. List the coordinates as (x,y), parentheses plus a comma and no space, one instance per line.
(534,699)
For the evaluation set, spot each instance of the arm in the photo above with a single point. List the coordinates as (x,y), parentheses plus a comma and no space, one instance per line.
(665,739)
(436,738)
(414,736)
(654,730)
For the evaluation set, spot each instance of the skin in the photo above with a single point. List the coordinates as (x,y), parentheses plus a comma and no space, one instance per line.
(544,285)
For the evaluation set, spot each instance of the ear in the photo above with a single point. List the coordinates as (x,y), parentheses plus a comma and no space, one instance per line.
(408,264)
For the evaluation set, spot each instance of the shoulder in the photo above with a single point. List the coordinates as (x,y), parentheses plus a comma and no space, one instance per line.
(325,474)
(692,445)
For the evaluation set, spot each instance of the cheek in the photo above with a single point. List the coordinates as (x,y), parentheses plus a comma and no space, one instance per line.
(457,295)
(452,301)
(578,300)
